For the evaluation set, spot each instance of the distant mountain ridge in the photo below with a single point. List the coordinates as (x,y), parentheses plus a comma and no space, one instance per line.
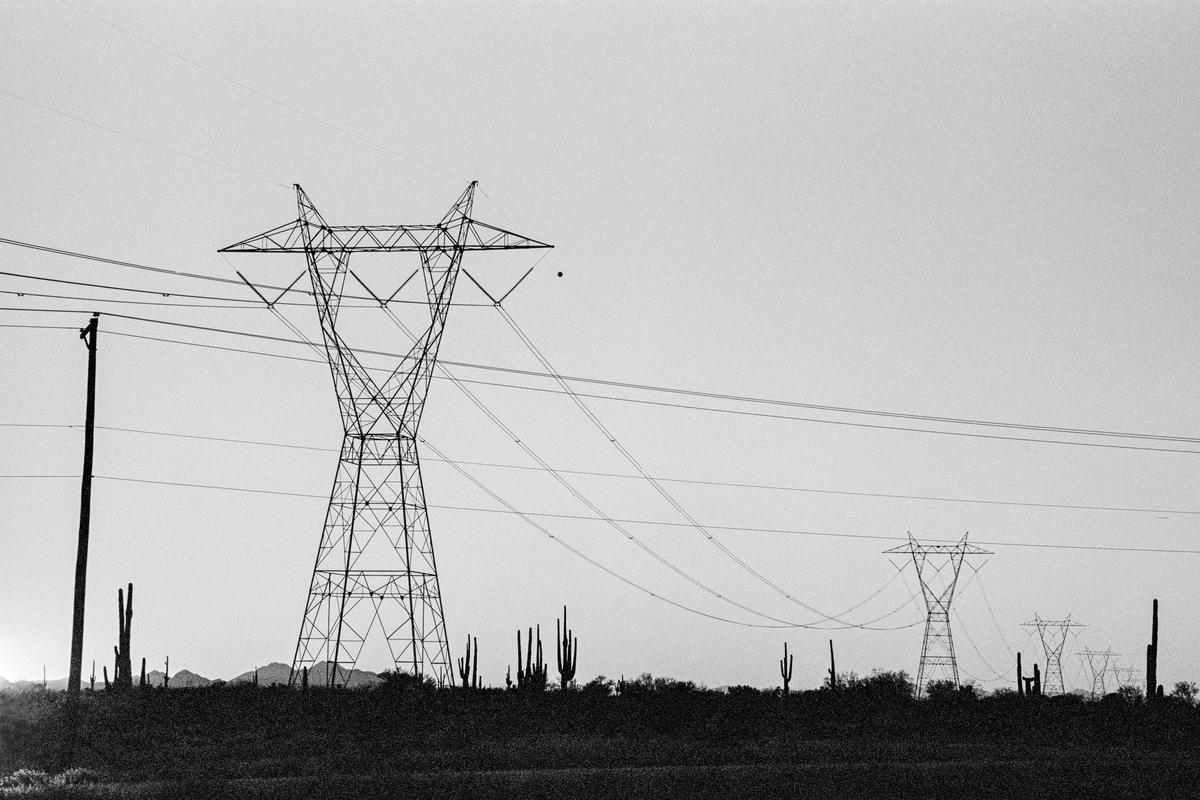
(273,674)
(277,674)
(183,679)
(54,684)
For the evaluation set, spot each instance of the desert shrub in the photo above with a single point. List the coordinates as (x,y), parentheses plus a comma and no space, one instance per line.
(397,681)
(647,684)
(1184,692)
(598,686)
(881,686)
(844,679)
(946,692)
(1131,695)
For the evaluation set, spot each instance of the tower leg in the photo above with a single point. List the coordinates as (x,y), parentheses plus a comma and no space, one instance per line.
(375,566)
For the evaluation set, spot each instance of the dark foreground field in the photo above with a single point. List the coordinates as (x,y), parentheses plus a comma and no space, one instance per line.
(405,740)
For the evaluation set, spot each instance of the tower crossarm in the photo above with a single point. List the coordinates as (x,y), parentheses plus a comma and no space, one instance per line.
(1064,623)
(289,238)
(940,549)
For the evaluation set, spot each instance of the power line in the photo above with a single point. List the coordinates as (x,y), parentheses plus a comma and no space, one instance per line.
(577,494)
(635,400)
(627,476)
(320,120)
(40,327)
(737,412)
(130,264)
(736,398)
(964,631)
(260,93)
(510,510)
(869,625)
(22,477)
(109,287)
(116,301)
(140,140)
(570,488)
(633,462)
(659,523)
(173,272)
(655,555)
(232,302)
(991,613)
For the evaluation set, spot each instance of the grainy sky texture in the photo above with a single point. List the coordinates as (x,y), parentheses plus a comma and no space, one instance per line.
(983,211)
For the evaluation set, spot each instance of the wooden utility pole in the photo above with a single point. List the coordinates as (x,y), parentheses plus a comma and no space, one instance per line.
(89,335)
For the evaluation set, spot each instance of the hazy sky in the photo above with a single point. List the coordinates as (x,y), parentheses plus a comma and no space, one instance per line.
(983,211)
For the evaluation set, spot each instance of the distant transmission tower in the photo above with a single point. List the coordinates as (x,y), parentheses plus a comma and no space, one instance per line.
(937,648)
(1126,676)
(375,565)
(1098,661)
(1053,633)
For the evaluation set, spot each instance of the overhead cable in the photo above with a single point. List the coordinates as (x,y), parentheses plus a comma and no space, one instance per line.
(618,475)
(941,419)
(597,423)
(644,401)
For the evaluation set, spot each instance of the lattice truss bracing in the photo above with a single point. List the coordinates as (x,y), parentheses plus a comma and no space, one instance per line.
(1053,634)
(1098,662)
(938,567)
(375,571)
(1126,676)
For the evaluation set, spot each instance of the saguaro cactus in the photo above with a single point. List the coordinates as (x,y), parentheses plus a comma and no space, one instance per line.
(167,674)
(468,667)
(92,680)
(1153,690)
(785,668)
(832,670)
(1033,684)
(566,652)
(1020,678)
(123,675)
(142,680)
(532,676)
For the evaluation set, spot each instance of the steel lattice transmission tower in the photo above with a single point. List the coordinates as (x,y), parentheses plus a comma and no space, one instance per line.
(1126,676)
(931,560)
(375,565)
(1053,633)
(1098,661)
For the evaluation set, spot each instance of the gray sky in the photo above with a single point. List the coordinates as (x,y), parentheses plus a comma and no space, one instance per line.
(984,211)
